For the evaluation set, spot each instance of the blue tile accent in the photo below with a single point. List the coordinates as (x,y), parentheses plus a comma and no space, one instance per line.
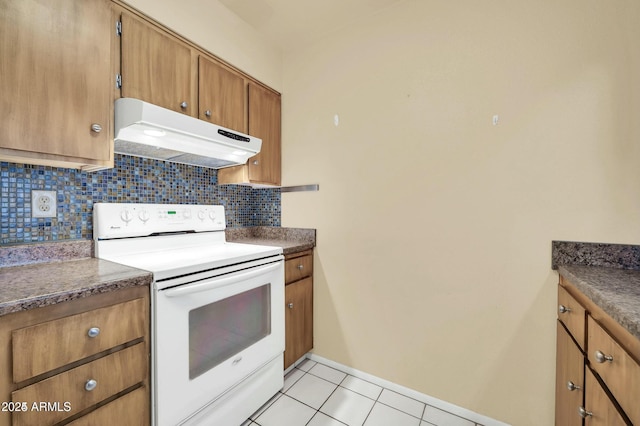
(132,180)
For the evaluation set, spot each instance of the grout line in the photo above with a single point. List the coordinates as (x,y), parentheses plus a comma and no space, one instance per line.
(369,413)
(340,385)
(418,396)
(424,411)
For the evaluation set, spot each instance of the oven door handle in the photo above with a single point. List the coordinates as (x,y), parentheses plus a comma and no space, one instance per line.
(219,282)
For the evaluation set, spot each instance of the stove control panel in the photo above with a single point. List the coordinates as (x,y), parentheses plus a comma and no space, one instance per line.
(121,220)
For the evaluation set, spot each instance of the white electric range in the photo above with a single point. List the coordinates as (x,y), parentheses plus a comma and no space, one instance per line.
(217,309)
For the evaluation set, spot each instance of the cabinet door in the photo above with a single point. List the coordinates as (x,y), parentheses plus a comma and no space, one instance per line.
(569,379)
(616,367)
(298,320)
(264,122)
(56,78)
(156,68)
(600,410)
(221,95)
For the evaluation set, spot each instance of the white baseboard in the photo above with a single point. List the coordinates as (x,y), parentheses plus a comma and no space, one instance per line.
(429,400)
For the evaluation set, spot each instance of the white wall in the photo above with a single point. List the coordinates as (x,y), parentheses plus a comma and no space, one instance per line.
(215,28)
(434,226)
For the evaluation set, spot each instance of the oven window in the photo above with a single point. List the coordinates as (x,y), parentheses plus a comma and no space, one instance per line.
(219,330)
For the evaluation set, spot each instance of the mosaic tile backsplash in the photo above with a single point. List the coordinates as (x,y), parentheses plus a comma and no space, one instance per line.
(132,180)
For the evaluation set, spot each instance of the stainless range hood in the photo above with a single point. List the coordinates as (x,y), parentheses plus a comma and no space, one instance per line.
(149,131)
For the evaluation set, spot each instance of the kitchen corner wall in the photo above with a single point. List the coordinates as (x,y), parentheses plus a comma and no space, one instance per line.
(432,266)
(132,180)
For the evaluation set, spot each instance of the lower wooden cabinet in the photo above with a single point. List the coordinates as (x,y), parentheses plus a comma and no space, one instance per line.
(600,385)
(298,293)
(85,361)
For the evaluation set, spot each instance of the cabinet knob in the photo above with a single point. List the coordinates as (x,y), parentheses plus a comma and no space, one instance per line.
(184,105)
(255,162)
(207,113)
(563,309)
(601,357)
(96,128)
(90,385)
(93,332)
(584,413)
(290,305)
(572,386)
(301,267)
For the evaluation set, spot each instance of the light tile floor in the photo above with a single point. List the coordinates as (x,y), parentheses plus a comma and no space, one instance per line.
(317,395)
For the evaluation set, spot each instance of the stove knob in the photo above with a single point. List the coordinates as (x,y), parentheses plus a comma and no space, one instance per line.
(186,214)
(202,215)
(144,216)
(212,215)
(126,216)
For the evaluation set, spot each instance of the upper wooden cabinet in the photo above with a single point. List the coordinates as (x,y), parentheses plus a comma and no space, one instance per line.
(164,69)
(221,95)
(58,65)
(156,67)
(265,123)
(57,97)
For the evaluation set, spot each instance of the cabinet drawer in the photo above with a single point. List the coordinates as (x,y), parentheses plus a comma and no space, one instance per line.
(112,374)
(572,314)
(617,369)
(67,339)
(129,410)
(601,410)
(298,268)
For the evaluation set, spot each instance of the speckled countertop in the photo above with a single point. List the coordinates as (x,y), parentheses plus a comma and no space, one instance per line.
(616,291)
(34,275)
(608,274)
(40,284)
(292,240)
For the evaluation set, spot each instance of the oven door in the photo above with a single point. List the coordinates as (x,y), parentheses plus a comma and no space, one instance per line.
(211,334)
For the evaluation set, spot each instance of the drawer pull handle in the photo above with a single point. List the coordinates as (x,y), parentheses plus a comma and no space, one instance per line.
(584,413)
(93,332)
(90,385)
(301,267)
(572,386)
(290,305)
(563,309)
(601,358)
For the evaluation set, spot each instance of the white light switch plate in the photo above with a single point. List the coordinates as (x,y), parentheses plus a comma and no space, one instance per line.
(43,203)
